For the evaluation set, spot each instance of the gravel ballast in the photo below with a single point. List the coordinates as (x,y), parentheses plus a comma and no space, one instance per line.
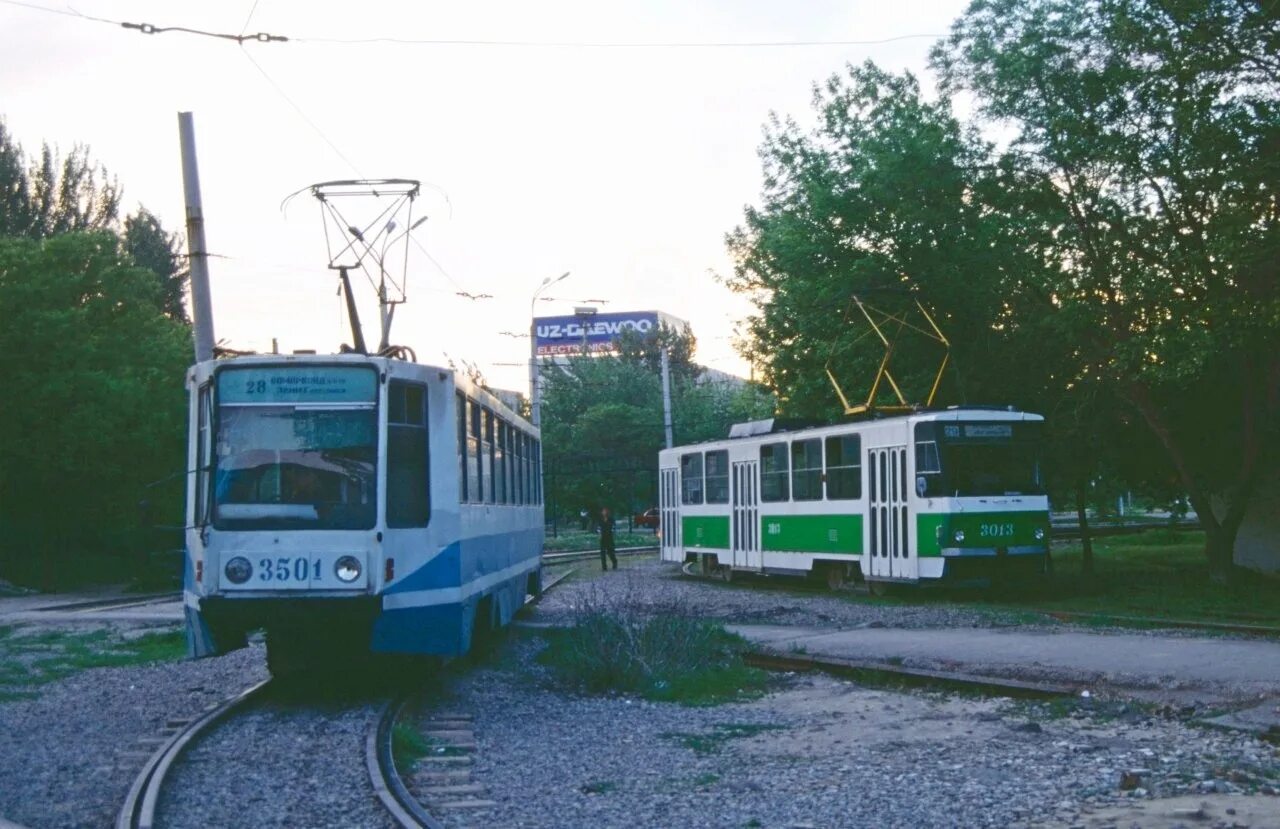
(815,752)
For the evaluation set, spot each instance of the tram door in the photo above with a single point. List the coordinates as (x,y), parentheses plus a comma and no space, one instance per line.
(669,515)
(890,553)
(745,521)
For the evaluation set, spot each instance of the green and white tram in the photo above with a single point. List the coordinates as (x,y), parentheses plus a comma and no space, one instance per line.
(952,495)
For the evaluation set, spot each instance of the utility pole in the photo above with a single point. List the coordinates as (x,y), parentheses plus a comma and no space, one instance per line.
(666,398)
(197,250)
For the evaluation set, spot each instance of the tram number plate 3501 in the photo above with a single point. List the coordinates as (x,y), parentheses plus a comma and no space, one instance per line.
(290,570)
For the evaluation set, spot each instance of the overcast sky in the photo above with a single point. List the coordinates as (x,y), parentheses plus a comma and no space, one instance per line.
(625,165)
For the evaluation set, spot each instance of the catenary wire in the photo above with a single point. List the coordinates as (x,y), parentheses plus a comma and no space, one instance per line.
(264,37)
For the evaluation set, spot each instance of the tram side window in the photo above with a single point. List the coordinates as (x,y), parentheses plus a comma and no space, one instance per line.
(517,466)
(408,497)
(691,478)
(475,486)
(717,464)
(844,467)
(535,452)
(773,472)
(806,470)
(500,461)
(204,415)
(509,468)
(928,463)
(486,454)
(462,447)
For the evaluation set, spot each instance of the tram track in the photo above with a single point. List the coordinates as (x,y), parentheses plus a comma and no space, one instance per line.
(142,804)
(140,807)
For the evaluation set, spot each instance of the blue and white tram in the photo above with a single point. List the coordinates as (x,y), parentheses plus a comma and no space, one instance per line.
(354,503)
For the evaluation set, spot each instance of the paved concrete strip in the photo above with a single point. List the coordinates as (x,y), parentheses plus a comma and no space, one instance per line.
(953,679)
(1252,665)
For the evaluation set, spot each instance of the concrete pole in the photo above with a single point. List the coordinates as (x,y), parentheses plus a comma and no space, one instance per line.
(197,250)
(666,399)
(533,369)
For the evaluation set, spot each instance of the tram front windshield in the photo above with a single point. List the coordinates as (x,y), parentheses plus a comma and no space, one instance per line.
(293,466)
(978,458)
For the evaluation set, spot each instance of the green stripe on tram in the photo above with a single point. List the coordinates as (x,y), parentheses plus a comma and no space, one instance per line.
(982,530)
(705,531)
(812,533)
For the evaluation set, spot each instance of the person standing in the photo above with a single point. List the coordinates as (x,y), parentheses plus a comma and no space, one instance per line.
(606,540)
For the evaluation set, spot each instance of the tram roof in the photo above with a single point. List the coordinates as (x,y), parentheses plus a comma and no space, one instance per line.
(776,425)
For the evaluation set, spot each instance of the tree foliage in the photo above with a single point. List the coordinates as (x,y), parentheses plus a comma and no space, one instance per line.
(602,420)
(96,404)
(1148,140)
(63,195)
(880,201)
(1112,260)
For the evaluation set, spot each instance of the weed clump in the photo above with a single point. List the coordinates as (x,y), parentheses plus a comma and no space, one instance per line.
(619,644)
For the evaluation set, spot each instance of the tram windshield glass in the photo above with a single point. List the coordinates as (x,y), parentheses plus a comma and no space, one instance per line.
(295,448)
(978,458)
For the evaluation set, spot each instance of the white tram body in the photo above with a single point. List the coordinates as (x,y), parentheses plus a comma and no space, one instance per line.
(954,495)
(357,502)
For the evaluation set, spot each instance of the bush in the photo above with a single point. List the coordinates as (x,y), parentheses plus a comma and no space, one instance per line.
(619,644)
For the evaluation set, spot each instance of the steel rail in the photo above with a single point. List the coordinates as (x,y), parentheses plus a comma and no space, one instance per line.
(385,777)
(389,786)
(139,809)
(583,555)
(112,604)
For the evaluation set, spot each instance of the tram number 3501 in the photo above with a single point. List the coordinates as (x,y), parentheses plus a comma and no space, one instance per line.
(300,568)
(995,530)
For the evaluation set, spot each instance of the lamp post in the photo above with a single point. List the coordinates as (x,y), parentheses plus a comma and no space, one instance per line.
(534,396)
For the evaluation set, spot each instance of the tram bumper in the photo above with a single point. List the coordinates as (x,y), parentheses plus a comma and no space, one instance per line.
(981,565)
(218,624)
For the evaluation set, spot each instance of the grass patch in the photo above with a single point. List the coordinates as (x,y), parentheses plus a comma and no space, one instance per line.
(618,643)
(1158,574)
(711,742)
(408,746)
(27,662)
(599,787)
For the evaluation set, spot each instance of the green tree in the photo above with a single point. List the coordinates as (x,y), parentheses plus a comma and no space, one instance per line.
(54,195)
(96,408)
(1147,149)
(602,420)
(61,195)
(158,251)
(882,199)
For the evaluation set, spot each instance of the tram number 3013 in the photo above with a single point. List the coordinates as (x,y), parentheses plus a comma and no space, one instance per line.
(300,568)
(995,530)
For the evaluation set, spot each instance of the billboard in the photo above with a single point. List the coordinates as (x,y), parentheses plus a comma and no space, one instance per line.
(599,333)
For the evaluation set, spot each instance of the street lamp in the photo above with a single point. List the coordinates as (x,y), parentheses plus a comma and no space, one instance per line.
(533,348)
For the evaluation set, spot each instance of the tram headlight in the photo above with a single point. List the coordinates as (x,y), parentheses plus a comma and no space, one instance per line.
(347,569)
(959,536)
(238,570)
(1039,533)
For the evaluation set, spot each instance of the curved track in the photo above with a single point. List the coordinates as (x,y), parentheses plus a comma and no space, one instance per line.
(388,785)
(139,808)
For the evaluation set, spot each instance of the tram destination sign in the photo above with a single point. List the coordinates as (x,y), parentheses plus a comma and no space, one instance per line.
(978,431)
(297,384)
(569,334)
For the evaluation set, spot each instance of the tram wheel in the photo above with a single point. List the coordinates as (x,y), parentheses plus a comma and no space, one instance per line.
(879,589)
(708,565)
(835,576)
(726,573)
